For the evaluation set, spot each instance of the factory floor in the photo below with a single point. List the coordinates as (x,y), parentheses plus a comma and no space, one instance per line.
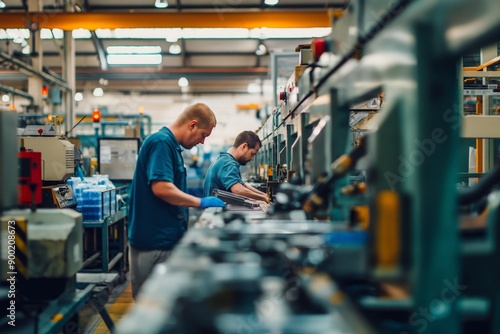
(118,299)
(118,303)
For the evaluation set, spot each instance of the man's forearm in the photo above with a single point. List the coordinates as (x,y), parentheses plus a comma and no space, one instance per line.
(256,191)
(168,192)
(242,190)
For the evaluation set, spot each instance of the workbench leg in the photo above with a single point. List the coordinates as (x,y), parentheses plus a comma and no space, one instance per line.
(105,247)
(103,313)
(121,245)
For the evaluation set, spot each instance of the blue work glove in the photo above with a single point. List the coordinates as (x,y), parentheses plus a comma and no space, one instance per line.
(211,201)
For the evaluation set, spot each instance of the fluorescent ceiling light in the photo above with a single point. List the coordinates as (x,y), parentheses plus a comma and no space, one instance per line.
(5,98)
(161,4)
(175,49)
(140,33)
(58,33)
(13,33)
(171,34)
(294,32)
(133,49)
(148,59)
(81,34)
(104,33)
(98,92)
(183,82)
(255,33)
(46,34)
(79,96)
(18,40)
(271,2)
(200,33)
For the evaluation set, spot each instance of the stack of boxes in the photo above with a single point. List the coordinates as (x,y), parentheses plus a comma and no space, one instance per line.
(95,196)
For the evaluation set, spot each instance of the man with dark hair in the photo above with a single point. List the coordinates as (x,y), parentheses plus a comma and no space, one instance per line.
(224,174)
(158,211)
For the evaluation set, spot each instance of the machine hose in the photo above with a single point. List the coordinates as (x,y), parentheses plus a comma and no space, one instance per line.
(482,188)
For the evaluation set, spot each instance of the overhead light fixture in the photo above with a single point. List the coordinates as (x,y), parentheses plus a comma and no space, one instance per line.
(183,82)
(294,32)
(5,98)
(104,33)
(173,34)
(175,49)
(79,97)
(161,4)
(58,33)
(98,92)
(26,50)
(209,33)
(118,49)
(81,34)
(271,2)
(18,40)
(172,39)
(2,4)
(136,59)
(261,50)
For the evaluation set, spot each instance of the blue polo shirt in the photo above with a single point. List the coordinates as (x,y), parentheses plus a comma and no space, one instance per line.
(222,174)
(153,223)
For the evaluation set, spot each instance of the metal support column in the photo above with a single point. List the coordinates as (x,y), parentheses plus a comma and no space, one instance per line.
(69,75)
(35,83)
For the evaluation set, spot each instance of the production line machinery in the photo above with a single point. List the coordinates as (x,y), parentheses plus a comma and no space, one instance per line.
(421,258)
(41,237)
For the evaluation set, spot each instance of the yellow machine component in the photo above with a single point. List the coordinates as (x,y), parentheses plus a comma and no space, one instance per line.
(355,188)
(479,141)
(361,216)
(270,173)
(58,317)
(387,235)
(342,164)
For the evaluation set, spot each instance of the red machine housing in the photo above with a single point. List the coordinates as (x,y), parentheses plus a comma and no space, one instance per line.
(30,177)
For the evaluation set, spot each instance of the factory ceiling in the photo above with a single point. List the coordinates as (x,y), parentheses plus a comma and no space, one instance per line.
(220,46)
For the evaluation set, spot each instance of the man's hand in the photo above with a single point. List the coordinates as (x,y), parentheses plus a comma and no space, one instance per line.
(211,201)
(266,198)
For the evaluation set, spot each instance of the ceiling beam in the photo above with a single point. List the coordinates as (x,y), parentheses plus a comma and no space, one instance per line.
(226,5)
(164,53)
(148,79)
(101,54)
(232,19)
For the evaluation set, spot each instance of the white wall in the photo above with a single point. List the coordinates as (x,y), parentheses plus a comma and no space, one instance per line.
(164,109)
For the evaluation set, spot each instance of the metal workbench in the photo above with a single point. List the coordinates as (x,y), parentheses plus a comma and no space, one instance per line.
(116,224)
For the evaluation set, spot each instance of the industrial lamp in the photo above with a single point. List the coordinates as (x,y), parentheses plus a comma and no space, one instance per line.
(161,4)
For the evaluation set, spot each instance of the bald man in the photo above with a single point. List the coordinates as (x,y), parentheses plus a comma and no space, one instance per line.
(158,212)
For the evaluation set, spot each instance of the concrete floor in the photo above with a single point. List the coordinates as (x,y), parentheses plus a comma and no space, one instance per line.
(119,300)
